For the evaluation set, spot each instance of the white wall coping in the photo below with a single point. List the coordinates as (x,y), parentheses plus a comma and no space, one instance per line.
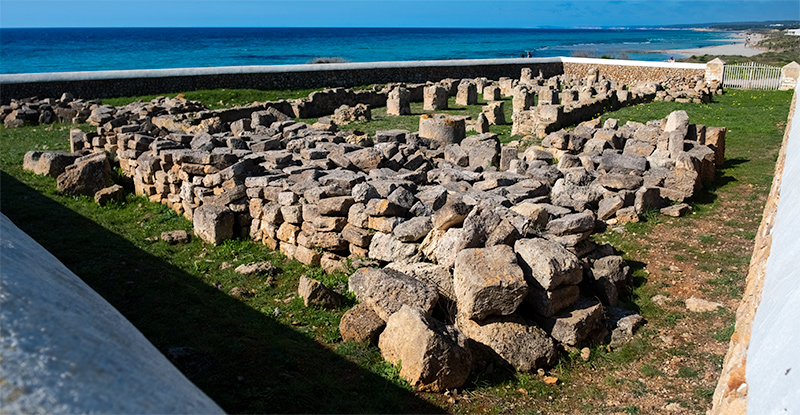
(257,69)
(64,349)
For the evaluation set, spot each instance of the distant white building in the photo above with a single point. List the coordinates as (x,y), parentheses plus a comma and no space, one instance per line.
(793,32)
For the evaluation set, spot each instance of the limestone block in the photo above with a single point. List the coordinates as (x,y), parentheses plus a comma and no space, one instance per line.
(288,233)
(433,357)
(213,224)
(413,230)
(385,247)
(356,235)
(483,150)
(715,139)
(547,264)
(50,163)
(387,290)
(398,102)
(86,176)
(610,278)
(519,343)
(315,293)
(467,93)
(617,181)
(112,193)
(495,112)
(547,303)
(491,93)
(450,215)
(445,129)
(431,274)
(572,224)
(434,98)
(582,324)
(361,324)
(488,281)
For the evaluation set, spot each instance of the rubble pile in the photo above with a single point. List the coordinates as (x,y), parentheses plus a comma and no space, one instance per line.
(484,254)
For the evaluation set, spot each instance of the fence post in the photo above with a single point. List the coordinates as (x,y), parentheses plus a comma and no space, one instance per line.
(715,70)
(789,75)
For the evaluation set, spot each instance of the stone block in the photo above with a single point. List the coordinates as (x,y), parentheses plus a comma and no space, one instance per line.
(315,293)
(387,290)
(443,128)
(483,150)
(582,324)
(385,247)
(213,224)
(491,93)
(114,193)
(433,275)
(488,281)
(547,303)
(432,357)
(467,93)
(495,112)
(50,163)
(547,264)
(520,344)
(88,175)
(413,230)
(434,98)
(715,139)
(361,324)
(398,102)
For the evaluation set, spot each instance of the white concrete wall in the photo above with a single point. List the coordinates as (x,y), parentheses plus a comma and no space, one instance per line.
(773,359)
(64,349)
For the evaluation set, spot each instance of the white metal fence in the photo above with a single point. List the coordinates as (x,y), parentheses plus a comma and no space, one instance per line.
(751,76)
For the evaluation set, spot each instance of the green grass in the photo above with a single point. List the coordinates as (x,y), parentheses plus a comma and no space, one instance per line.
(222,98)
(650,371)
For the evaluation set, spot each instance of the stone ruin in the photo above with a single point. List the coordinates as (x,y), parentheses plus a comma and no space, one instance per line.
(479,253)
(566,100)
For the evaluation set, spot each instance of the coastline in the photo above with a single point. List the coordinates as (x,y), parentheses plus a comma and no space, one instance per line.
(738,46)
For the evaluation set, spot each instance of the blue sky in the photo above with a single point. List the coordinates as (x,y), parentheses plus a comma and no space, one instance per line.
(385,13)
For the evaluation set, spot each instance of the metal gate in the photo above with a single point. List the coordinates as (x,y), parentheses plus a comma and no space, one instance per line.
(751,76)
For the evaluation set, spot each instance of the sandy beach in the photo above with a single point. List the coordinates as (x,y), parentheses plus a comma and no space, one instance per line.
(736,45)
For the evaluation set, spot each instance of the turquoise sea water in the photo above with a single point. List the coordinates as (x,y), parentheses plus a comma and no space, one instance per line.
(65,50)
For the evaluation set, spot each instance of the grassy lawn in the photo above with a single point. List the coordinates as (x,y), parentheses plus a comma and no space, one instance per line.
(223,98)
(268,353)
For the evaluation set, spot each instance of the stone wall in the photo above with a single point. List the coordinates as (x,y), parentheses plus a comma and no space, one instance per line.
(630,72)
(106,84)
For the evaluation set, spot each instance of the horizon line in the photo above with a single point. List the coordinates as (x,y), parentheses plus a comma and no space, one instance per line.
(616,27)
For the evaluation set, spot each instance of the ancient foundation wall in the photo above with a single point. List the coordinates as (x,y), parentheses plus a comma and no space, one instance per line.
(761,373)
(66,350)
(105,84)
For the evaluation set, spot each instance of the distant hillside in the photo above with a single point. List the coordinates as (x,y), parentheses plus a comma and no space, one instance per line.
(770,24)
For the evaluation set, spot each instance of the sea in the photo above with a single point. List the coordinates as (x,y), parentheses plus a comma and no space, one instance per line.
(96,49)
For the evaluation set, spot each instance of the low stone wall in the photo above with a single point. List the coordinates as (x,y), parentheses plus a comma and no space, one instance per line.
(66,350)
(760,371)
(631,72)
(105,84)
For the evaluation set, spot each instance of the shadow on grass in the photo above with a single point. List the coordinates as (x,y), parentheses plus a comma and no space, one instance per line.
(243,359)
